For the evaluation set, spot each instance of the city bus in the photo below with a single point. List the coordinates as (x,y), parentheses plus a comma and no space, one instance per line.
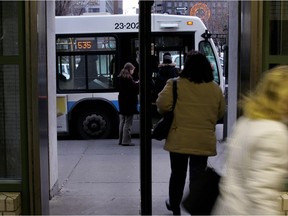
(92,49)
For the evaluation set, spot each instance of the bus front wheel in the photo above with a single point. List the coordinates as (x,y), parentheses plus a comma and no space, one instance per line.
(94,125)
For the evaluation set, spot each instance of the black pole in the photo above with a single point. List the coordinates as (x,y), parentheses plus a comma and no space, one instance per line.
(145,106)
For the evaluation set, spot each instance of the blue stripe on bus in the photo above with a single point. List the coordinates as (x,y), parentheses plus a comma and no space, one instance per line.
(69,105)
(116,104)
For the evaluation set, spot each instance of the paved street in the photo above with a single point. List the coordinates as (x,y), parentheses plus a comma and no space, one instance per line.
(99,177)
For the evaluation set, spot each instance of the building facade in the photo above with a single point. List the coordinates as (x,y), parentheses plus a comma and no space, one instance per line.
(92,7)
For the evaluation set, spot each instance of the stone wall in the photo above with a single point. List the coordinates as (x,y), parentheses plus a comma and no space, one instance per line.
(10,203)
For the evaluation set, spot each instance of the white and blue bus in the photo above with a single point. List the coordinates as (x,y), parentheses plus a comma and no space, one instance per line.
(91,50)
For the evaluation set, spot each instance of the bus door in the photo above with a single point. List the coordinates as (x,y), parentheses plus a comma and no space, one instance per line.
(128,51)
(177,44)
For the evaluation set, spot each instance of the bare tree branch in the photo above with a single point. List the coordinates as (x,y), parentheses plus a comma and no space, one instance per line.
(70,7)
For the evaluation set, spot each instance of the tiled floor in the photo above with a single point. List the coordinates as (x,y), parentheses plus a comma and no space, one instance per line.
(99,177)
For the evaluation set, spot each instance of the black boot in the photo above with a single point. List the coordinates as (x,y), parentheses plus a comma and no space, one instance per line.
(176,211)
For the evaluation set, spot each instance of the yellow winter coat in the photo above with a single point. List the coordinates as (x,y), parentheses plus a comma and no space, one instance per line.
(197,110)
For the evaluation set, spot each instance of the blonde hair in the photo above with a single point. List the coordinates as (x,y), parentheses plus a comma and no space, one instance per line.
(270,98)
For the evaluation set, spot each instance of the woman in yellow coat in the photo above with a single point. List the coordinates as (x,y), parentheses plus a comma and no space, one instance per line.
(200,103)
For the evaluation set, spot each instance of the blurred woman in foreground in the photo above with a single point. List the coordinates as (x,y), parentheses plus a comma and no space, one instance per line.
(257,160)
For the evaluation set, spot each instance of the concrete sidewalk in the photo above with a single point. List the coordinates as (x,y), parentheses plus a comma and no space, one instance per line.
(99,177)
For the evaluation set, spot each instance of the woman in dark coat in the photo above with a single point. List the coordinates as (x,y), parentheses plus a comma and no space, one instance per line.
(166,70)
(128,101)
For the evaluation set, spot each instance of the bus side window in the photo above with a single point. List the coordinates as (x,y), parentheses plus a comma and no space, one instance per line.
(92,71)
(65,72)
(99,72)
(112,72)
(79,75)
(112,67)
(206,49)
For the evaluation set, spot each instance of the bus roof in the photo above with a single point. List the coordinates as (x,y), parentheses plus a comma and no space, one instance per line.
(120,23)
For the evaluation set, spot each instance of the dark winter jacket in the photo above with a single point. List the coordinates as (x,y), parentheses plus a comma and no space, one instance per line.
(128,96)
(165,72)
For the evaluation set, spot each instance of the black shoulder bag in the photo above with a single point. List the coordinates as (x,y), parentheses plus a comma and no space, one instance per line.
(162,127)
(203,194)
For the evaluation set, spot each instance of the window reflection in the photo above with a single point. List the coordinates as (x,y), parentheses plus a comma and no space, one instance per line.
(278,28)
(8,28)
(10,155)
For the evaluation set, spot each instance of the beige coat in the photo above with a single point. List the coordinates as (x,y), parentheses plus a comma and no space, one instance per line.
(256,167)
(197,110)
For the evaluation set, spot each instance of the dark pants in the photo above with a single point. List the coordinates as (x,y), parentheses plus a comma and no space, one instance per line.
(179,164)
